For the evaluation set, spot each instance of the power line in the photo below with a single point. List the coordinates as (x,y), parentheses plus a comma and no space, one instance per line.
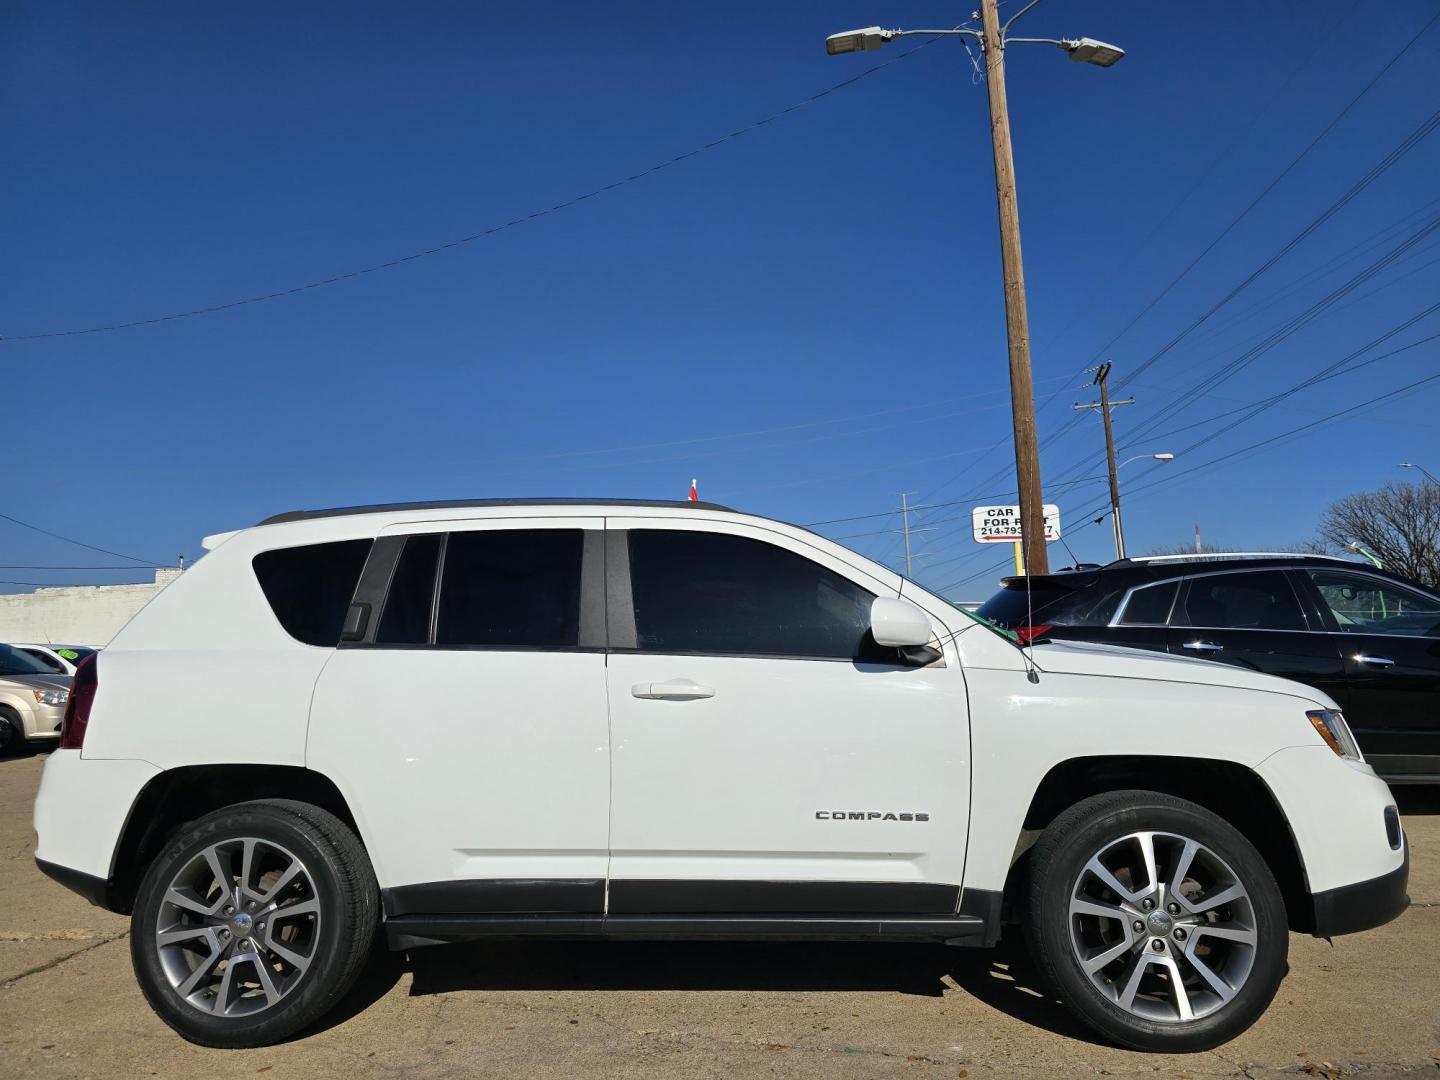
(78,543)
(18,566)
(448,245)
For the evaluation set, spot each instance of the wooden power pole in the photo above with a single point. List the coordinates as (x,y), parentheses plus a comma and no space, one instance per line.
(1102,380)
(1017,323)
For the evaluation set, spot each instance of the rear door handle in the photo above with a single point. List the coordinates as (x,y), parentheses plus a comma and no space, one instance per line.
(1203,646)
(674,690)
(1375,661)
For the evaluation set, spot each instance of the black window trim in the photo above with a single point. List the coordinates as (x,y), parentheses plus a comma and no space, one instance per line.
(1327,617)
(1182,599)
(379,573)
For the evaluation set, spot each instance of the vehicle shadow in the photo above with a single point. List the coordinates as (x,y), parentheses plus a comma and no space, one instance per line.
(1417,798)
(1002,978)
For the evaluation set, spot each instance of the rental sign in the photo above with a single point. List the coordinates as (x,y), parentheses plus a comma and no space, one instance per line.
(1001,524)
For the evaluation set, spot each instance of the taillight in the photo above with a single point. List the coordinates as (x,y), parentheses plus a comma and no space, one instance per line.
(77,709)
(1026,635)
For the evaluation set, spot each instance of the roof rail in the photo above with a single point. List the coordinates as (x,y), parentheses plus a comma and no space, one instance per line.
(1201,556)
(466,504)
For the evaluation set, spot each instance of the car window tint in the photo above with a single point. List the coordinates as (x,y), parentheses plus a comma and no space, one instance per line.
(1365,605)
(309,588)
(1150,606)
(1078,602)
(511,588)
(1257,600)
(713,593)
(406,618)
(45,659)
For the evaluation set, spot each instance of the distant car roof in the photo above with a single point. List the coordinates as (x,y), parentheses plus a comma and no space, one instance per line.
(1161,567)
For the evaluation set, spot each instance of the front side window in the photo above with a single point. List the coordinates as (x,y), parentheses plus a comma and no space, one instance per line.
(1256,600)
(310,587)
(1365,605)
(699,592)
(510,589)
(15,661)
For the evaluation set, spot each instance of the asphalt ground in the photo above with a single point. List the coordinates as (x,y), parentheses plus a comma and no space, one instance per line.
(1368,1005)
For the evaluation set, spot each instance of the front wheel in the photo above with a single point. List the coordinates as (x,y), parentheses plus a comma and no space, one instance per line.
(253,922)
(1155,921)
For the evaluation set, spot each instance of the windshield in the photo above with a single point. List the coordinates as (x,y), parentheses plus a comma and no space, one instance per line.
(73,653)
(15,662)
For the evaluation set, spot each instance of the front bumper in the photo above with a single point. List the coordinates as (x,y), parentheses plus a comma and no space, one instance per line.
(1365,904)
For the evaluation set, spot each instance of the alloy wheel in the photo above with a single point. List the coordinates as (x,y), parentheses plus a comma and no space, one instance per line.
(238,927)
(1162,927)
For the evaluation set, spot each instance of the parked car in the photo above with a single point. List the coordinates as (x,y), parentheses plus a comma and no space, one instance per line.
(662,720)
(1368,638)
(57,659)
(32,700)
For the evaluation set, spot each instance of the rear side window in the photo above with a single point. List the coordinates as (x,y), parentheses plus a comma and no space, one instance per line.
(309,588)
(511,589)
(406,618)
(699,592)
(1150,606)
(1258,600)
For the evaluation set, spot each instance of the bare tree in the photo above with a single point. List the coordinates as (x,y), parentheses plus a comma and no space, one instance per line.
(1188,549)
(1400,523)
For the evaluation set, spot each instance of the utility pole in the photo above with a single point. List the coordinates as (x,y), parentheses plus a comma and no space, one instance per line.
(1017,322)
(906,531)
(1102,380)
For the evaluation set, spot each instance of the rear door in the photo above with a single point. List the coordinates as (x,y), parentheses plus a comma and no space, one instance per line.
(1389,639)
(768,755)
(467,727)
(1254,619)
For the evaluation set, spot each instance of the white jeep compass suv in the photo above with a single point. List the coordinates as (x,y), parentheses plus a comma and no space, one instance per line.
(445,721)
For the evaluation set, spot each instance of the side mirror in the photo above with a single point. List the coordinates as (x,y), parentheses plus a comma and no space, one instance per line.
(899,624)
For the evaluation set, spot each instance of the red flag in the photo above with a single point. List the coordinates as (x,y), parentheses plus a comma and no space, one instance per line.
(694,495)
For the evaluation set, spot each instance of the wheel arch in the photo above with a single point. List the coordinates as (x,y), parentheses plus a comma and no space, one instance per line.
(176,797)
(1228,789)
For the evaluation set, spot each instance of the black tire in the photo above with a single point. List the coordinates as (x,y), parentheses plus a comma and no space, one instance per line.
(12,733)
(1055,936)
(337,871)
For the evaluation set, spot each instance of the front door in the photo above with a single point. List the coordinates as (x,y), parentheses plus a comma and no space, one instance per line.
(1253,619)
(1389,639)
(768,755)
(468,727)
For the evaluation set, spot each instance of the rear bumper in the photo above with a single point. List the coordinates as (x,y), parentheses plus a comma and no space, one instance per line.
(94,889)
(1365,904)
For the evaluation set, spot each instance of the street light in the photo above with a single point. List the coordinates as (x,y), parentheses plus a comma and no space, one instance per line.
(1115,499)
(1426,472)
(992,39)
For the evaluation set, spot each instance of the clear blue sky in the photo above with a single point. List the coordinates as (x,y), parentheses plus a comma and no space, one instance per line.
(808,319)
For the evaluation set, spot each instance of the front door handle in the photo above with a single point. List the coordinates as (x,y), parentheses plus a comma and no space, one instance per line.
(674,690)
(1203,646)
(1373,661)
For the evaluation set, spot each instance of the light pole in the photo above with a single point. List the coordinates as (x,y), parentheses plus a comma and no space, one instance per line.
(992,38)
(1424,471)
(1115,498)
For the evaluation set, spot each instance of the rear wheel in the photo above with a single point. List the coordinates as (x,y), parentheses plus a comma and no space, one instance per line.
(253,923)
(1155,921)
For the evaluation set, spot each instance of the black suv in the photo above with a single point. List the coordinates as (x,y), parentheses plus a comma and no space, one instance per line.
(1368,638)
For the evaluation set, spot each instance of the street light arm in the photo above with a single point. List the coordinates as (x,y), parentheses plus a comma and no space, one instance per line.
(959,31)
(1017,15)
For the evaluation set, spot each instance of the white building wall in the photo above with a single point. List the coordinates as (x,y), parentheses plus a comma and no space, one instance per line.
(76,614)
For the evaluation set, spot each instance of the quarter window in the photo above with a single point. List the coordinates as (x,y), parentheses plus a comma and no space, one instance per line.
(406,618)
(1365,605)
(511,589)
(1150,606)
(309,588)
(1255,600)
(699,592)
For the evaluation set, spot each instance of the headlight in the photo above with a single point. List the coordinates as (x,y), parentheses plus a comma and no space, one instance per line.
(51,697)
(1336,732)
